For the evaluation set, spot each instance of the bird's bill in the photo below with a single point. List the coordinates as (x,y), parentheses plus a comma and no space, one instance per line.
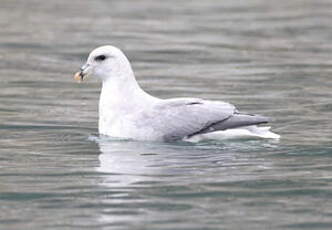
(79,76)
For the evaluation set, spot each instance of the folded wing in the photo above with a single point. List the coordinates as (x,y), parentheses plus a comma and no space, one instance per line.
(178,118)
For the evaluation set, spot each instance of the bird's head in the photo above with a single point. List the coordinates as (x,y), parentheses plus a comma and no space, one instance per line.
(105,62)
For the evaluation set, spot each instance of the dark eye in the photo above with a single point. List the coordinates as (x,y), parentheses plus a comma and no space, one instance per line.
(100,58)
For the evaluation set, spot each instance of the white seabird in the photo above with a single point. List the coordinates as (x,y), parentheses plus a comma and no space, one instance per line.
(127,111)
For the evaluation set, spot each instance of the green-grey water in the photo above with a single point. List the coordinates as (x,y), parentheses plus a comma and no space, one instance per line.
(267,57)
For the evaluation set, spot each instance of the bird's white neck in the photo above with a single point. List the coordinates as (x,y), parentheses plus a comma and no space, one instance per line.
(122,91)
(120,96)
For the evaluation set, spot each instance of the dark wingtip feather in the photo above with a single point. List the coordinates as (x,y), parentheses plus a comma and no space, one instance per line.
(235,121)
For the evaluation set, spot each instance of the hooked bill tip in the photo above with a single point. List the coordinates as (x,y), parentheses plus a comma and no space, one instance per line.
(78,76)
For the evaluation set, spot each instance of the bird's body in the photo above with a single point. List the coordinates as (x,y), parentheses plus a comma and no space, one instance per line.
(126,111)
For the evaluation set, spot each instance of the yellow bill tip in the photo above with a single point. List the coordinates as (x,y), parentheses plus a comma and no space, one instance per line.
(78,77)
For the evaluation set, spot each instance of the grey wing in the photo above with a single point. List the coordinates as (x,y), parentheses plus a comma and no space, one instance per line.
(177,118)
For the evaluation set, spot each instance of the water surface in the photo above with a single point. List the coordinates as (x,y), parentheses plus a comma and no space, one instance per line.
(267,57)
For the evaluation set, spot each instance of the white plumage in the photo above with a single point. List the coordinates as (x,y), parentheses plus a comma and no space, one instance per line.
(126,111)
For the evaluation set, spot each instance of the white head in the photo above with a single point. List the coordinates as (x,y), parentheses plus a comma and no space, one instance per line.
(106,62)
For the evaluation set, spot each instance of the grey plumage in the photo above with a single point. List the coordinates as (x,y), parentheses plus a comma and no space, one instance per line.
(234,121)
(178,118)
